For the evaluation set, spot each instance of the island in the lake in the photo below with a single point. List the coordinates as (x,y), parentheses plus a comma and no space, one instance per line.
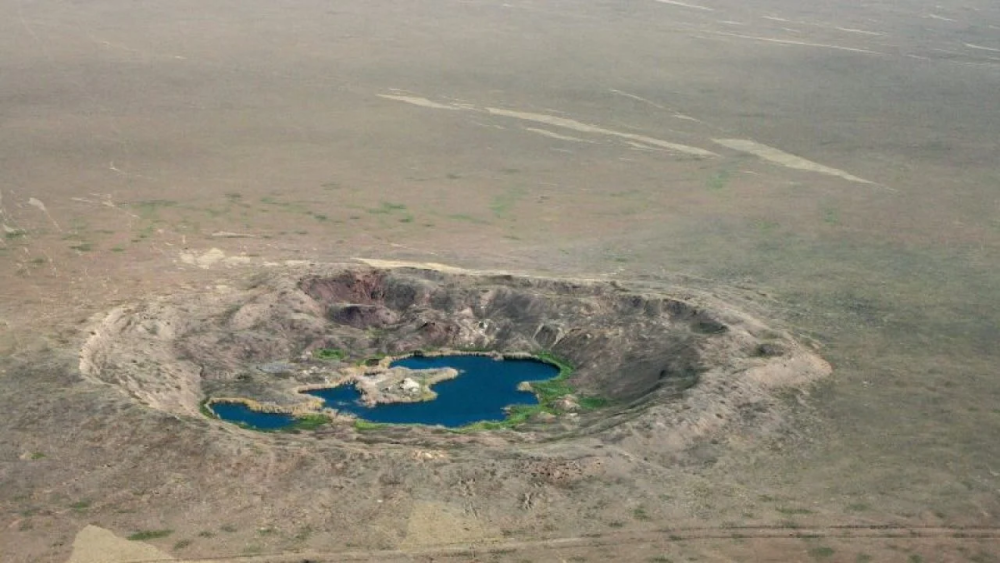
(393,390)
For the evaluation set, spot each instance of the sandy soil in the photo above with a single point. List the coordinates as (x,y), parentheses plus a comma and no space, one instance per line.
(828,168)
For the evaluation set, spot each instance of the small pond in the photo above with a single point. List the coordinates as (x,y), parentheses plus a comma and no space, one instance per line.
(242,414)
(481,391)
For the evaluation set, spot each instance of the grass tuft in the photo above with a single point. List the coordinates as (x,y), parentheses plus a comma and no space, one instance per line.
(821,552)
(144,535)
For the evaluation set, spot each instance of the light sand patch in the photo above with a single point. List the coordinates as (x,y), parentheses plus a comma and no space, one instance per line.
(593,129)
(801,43)
(785,159)
(562,122)
(211,258)
(389,264)
(637,98)
(655,105)
(97,545)
(554,135)
(418,101)
(439,523)
(229,234)
(686,5)
(687,118)
(445,268)
(981,48)
(861,31)
(640,146)
(41,207)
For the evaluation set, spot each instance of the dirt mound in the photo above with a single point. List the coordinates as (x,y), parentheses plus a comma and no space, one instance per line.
(692,360)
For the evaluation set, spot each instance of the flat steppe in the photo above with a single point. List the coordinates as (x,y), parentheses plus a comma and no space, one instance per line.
(833,164)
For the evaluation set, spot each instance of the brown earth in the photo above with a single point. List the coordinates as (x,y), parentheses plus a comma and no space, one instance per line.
(823,169)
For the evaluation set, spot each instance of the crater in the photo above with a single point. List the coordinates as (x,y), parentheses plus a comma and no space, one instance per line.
(673,358)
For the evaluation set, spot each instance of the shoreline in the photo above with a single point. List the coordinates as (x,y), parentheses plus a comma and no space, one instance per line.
(353,375)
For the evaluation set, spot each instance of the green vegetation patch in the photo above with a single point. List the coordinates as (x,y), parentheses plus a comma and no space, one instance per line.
(789,510)
(363,425)
(204,409)
(590,402)
(469,218)
(307,422)
(329,354)
(503,204)
(144,535)
(719,180)
(386,208)
(821,552)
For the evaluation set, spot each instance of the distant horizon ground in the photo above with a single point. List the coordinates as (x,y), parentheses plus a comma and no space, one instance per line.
(831,167)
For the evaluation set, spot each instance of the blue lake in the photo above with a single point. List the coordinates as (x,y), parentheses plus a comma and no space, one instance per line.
(238,412)
(481,391)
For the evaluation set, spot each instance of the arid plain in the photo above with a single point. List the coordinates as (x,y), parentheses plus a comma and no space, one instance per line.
(831,168)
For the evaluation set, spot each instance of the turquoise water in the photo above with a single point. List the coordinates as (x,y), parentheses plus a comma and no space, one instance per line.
(481,391)
(238,412)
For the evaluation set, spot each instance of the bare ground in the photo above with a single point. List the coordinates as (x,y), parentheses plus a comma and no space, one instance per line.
(829,169)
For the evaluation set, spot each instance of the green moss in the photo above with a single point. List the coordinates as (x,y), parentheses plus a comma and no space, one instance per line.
(565,368)
(329,354)
(308,422)
(363,425)
(204,409)
(518,414)
(552,389)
